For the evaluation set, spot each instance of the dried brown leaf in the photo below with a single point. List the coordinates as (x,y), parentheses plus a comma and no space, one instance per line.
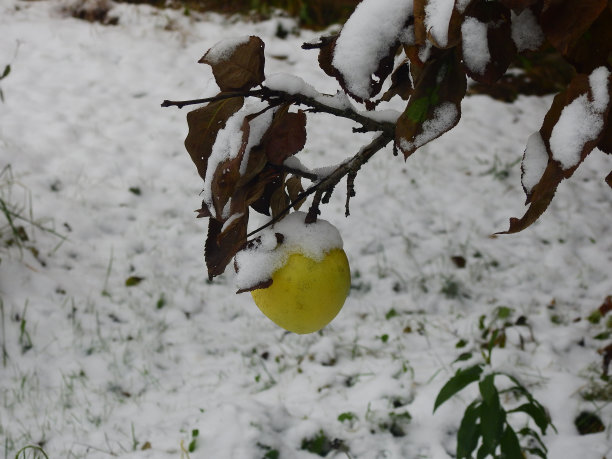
(238,70)
(543,192)
(420,31)
(594,47)
(564,22)
(286,135)
(502,49)
(518,5)
(401,82)
(294,189)
(204,124)
(437,95)
(221,248)
(326,55)
(606,306)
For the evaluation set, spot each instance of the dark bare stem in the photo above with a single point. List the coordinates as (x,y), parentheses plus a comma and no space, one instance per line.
(350,191)
(222,96)
(276,97)
(314,211)
(329,182)
(298,172)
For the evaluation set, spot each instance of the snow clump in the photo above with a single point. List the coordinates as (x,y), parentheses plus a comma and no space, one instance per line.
(222,50)
(366,38)
(581,121)
(256,264)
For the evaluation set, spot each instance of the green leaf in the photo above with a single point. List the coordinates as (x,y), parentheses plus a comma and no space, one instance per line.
(536,412)
(469,431)
(463,357)
(133,280)
(6,72)
(458,382)
(510,446)
(492,415)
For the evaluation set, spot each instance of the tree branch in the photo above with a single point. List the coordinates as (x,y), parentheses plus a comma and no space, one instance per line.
(275,96)
(348,167)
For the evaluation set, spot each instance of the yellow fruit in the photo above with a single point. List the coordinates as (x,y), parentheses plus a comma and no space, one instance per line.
(305,294)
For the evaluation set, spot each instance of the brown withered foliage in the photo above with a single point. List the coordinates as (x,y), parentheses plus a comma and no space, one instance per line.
(430,77)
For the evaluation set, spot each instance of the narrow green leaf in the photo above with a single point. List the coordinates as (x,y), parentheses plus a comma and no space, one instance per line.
(458,382)
(510,446)
(492,415)
(469,431)
(537,413)
(6,72)
(133,280)
(463,357)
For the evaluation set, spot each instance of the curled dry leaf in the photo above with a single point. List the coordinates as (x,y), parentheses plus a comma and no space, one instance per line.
(286,135)
(594,47)
(237,66)
(540,196)
(564,22)
(435,104)
(204,124)
(221,246)
(494,18)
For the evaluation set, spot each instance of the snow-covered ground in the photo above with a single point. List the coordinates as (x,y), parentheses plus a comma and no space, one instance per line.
(95,368)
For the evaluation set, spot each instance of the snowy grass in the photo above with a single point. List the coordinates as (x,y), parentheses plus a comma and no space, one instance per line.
(116,345)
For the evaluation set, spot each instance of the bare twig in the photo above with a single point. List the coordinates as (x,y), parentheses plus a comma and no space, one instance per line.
(276,97)
(222,96)
(330,181)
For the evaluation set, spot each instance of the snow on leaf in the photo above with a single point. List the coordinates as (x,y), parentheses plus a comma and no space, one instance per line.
(237,64)
(475,45)
(204,125)
(437,20)
(535,160)
(571,129)
(435,104)
(581,122)
(229,156)
(364,50)
(577,125)
(487,45)
(526,32)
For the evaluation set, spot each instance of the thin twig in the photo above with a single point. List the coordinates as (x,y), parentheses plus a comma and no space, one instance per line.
(298,172)
(352,165)
(275,96)
(222,96)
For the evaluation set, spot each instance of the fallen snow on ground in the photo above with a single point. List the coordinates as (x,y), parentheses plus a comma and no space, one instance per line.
(95,368)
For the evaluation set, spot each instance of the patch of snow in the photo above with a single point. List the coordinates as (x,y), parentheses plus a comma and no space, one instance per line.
(229,143)
(581,121)
(444,117)
(526,31)
(534,162)
(366,38)
(314,240)
(475,45)
(223,49)
(599,81)
(437,19)
(231,220)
